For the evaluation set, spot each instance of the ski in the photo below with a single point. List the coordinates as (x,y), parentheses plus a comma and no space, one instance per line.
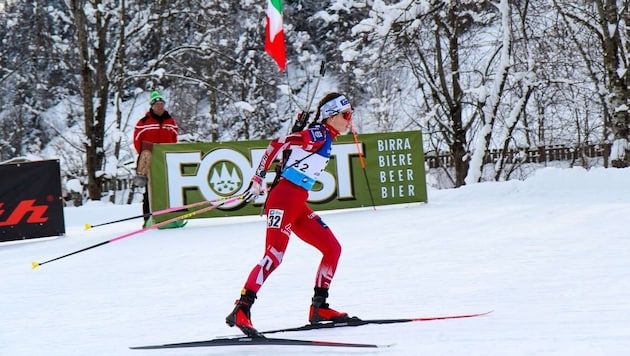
(258,340)
(354,321)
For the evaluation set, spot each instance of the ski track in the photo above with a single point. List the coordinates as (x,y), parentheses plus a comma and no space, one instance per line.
(549,255)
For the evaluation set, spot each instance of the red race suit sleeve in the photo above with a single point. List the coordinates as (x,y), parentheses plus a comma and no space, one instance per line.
(305,139)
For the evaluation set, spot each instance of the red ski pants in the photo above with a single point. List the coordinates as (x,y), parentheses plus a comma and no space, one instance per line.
(288,212)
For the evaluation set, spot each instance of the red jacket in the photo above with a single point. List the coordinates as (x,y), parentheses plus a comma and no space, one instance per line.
(154,129)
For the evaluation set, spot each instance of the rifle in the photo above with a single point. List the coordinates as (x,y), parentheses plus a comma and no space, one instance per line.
(298,125)
(302,119)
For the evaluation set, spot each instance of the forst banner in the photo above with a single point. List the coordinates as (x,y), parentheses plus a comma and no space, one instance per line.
(31,204)
(186,173)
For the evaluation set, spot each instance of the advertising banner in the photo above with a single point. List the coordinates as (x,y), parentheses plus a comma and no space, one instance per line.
(394,173)
(31,204)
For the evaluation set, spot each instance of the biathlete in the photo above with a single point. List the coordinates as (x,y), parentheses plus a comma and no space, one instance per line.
(308,154)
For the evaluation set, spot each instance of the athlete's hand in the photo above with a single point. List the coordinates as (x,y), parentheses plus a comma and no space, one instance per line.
(256,188)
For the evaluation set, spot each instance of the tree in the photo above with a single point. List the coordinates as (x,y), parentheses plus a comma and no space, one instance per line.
(607,21)
(474,75)
(450,79)
(30,70)
(224,65)
(92,26)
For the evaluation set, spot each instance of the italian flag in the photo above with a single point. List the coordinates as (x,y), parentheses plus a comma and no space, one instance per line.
(274,35)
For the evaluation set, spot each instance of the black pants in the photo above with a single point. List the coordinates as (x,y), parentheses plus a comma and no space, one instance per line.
(145,203)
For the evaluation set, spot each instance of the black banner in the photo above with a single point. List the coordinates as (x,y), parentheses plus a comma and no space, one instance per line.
(31,204)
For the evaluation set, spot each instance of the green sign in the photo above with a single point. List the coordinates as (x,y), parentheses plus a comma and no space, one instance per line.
(391,172)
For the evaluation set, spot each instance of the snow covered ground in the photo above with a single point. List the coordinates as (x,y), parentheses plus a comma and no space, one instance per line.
(550,256)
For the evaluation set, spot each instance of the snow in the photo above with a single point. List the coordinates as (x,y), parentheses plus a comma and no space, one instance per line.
(245,106)
(74,185)
(549,255)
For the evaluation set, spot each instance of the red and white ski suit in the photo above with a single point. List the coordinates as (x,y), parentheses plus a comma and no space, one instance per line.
(286,207)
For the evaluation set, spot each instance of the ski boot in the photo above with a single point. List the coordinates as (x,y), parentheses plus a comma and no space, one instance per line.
(240,316)
(321,311)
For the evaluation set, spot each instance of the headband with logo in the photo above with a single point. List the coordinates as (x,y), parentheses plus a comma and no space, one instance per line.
(334,107)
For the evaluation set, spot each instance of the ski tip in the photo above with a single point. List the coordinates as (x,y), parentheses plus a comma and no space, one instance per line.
(381,346)
(35,264)
(480,314)
(88,226)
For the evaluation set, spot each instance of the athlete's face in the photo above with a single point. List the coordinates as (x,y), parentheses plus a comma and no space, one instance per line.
(342,122)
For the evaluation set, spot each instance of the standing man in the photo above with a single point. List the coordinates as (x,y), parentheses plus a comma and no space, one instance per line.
(157,126)
(307,154)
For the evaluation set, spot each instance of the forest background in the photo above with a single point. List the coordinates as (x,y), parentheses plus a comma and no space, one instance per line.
(473,75)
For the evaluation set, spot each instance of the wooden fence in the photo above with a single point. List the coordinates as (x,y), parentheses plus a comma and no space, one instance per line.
(535,155)
(116,184)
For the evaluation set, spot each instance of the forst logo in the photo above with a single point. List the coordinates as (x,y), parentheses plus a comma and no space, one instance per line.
(25,210)
(218,173)
(225,178)
(225,171)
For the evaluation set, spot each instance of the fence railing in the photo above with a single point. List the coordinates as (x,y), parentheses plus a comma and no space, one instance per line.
(532,155)
(116,184)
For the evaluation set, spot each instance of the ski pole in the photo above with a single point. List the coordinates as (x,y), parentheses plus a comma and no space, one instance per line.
(220,202)
(356,142)
(89,226)
(156,213)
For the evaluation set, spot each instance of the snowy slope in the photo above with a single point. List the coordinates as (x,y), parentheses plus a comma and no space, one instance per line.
(549,255)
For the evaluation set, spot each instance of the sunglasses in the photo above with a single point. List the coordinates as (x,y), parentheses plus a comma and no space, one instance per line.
(347,115)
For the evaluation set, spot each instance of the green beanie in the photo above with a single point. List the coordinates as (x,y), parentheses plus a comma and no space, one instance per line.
(155,97)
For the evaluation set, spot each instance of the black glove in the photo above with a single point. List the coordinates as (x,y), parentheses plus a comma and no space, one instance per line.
(300,122)
(140,180)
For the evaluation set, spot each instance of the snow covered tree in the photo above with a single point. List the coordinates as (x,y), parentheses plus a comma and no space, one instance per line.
(431,61)
(473,75)
(31,76)
(607,22)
